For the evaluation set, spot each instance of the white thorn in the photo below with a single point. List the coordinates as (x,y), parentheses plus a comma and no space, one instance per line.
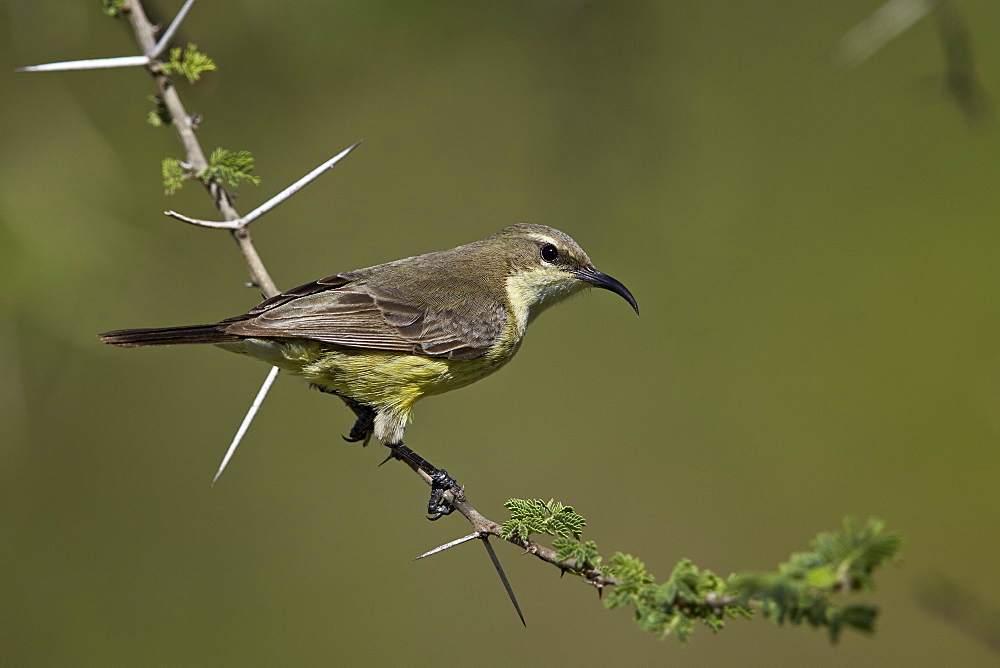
(297,186)
(169,35)
(96,64)
(442,548)
(258,400)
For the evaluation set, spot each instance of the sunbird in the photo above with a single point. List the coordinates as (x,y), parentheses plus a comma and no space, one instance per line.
(385,336)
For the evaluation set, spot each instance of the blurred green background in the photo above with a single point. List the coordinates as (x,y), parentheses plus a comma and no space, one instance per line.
(815,256)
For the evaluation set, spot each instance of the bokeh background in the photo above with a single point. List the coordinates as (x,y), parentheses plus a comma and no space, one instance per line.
(814,252)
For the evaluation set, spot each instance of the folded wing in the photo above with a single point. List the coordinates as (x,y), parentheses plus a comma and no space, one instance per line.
(359,314)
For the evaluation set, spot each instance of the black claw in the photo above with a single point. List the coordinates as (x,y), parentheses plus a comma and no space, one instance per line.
(362,429)
(351,438)
(363,426)
(438,506)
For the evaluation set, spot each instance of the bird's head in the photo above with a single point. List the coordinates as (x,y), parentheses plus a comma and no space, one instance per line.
(544,266)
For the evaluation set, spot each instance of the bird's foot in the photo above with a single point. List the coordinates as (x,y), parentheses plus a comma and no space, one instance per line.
(438,506)
(362,429)
(364,426)
(441,483)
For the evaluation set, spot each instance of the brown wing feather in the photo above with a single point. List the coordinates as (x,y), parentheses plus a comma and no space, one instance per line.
(350,311)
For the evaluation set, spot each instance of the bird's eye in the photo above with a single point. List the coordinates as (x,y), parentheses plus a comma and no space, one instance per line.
(549,253)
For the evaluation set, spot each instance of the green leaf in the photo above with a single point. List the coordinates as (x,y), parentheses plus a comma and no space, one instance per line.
(801,590)
(113,7)
(689,595)
(822,577)
(189,62)
(528,516)
(174,175)
(158,115)
(584,555)
(229,167)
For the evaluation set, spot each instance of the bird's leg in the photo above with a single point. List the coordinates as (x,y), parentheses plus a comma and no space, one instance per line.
(364,425)
(441,482)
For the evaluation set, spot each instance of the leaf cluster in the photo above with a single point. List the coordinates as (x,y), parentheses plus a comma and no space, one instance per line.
(174,175)
(113,7)
(840,561)
(800,591)
(536,516)
(189,62)
(159,115)
(228,167)
(689,595)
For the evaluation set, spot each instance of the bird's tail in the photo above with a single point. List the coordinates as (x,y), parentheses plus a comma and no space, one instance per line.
(165,336)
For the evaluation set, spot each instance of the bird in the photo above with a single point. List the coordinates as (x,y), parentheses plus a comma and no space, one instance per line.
(383,337)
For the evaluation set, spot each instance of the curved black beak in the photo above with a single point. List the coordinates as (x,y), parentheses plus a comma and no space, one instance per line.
(601,280)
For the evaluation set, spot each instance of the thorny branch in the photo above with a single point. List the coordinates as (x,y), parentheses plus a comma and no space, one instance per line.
(487,527)
(196,162)
(145,34)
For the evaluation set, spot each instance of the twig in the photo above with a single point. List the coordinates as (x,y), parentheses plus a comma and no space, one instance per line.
(487,527)
(215,224)
(269,204)
(123,61)
(169,34)
(182,122)
(144,33)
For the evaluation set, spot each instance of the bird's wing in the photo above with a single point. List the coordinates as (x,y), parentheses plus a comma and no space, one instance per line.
(359,314)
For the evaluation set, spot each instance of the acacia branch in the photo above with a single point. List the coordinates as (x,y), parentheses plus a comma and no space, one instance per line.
(145,34)
(269,204)
(797,592)
(484,526)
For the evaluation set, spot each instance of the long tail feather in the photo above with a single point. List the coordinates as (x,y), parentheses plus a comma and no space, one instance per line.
(165,336)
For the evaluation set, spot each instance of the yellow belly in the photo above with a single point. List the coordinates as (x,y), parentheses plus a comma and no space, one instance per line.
(390,382)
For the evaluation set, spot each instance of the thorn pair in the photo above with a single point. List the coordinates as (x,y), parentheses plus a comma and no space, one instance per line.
(485,537)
